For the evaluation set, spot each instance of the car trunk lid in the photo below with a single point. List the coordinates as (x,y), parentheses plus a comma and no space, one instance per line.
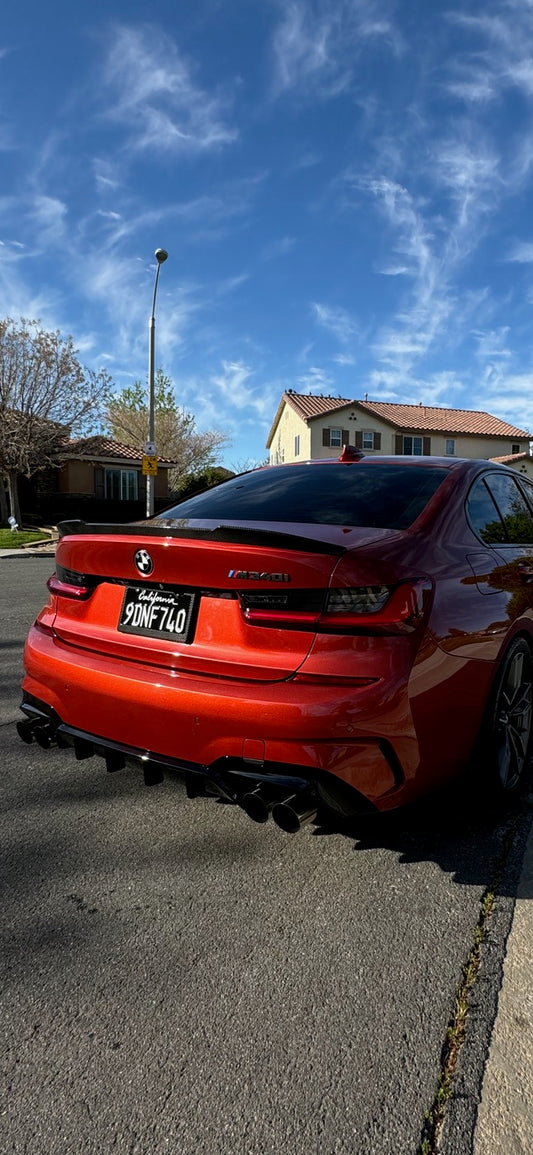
(175,597)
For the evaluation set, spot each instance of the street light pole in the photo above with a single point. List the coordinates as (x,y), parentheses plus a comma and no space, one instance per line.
(160,256)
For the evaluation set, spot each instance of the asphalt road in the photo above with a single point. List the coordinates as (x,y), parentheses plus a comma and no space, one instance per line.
(177,979)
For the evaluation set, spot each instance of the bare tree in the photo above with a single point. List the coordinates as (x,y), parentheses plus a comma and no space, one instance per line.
(45,394)
(176,435)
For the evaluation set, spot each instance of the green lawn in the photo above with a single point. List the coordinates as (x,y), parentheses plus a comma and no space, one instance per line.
(10,540)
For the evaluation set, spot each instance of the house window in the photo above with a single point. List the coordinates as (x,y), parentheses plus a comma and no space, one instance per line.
(367,439)
(335,438)
(412,446)
(121,484)
(297,445)
(450,447)
(515,449)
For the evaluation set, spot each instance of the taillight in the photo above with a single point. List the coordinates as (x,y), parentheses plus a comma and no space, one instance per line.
(343,609)
(376,609)
(294,609)
(67,583)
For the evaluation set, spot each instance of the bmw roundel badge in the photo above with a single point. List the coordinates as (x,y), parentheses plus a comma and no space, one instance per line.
(143,562)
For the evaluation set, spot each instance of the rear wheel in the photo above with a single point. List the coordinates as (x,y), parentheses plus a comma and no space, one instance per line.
(509,730)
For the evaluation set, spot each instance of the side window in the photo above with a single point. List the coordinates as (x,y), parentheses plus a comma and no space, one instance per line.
(527,488)
(483,515)
(513,508)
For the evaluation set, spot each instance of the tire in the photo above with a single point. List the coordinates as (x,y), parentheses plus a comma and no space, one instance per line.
(508,732)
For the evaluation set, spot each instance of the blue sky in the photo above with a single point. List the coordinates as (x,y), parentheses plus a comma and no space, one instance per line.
(345,190)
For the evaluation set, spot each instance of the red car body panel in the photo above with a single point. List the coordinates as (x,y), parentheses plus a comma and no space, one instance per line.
(390,704)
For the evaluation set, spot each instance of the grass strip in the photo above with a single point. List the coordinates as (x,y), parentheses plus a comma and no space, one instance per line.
(456,1031)
(15,539)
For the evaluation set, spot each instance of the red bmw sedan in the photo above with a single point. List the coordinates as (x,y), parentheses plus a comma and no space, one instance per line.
(331,636)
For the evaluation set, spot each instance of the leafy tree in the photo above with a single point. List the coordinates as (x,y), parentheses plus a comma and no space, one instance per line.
(176,435)
(204,479)
(45,394)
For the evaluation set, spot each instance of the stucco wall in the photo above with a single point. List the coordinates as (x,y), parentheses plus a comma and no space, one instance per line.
(78,477)
(282,447)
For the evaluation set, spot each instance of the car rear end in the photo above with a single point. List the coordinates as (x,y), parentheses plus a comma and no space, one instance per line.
(267,657)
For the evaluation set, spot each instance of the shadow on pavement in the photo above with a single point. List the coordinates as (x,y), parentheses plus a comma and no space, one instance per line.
(466,835)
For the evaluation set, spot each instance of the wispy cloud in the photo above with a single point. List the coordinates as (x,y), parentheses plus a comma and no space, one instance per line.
(522,253)
(278,248)
(315,380)
(498,54)
(493,343)
(431,233)
(317,44)
(335,320)
(149,87)
(49,219)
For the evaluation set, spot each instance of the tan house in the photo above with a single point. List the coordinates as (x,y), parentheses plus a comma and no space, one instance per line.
(99,479)
(109,471)
(309,426)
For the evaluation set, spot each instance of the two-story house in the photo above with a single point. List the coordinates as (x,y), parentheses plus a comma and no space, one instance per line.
(310,426)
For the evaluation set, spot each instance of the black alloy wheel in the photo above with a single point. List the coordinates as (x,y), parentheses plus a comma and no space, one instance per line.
(511,727)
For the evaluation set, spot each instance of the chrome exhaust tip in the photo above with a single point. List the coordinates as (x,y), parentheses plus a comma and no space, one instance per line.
(294,813)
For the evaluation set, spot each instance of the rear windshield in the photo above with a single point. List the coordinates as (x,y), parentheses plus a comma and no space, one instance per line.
(381,496)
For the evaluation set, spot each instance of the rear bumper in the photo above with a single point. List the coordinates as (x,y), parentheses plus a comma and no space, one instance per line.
(200,725)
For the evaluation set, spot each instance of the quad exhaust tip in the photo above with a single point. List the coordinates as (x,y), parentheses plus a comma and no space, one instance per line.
(259,803)
(294,813)
(290,813)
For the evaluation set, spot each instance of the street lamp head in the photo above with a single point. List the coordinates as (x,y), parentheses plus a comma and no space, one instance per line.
(161,255)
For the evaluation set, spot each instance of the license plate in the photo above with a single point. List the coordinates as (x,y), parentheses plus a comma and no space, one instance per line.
(158,613)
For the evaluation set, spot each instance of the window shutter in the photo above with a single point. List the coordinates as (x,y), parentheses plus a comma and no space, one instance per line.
(426,446)
(99,482)
(345,436)
(377,440)
(325,437)
(359,438)
(398,443)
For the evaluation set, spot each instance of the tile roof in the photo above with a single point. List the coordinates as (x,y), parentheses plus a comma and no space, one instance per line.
(430,418)
(107,448)
(511,457)
(436,420)
(314,405)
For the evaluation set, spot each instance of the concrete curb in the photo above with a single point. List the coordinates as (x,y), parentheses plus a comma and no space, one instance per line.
(47,550)
(505,1117)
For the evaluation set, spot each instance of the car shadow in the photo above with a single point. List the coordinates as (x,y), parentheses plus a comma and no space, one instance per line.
(477,841)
